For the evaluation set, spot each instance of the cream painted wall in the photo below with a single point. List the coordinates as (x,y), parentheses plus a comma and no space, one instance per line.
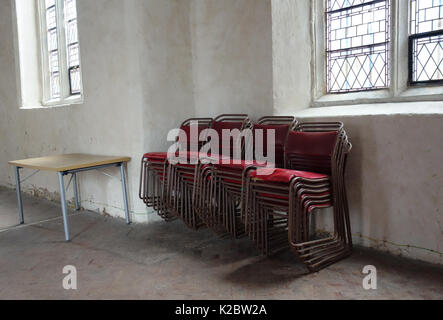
(165,58)
(232,57)
(291,55)
(28,60)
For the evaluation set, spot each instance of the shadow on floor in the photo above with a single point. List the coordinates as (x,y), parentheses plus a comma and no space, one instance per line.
(263,271)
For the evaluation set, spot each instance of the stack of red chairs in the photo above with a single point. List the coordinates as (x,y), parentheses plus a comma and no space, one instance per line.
(319,253)
(184,175)
(222,184)
(279,202)
(243,196)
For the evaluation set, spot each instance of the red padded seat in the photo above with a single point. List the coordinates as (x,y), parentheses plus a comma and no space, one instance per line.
(274,196)
(189,154)
(232,181)
(239,164)
(185,165)
(197,156)
(284,175)
(282,197)
(156,155)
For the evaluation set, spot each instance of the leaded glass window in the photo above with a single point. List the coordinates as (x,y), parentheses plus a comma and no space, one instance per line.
(426,41)
(60,50)
(357,45)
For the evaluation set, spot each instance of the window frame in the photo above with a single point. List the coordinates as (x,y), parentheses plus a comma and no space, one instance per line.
(416,36)
(399,90)
(66,98)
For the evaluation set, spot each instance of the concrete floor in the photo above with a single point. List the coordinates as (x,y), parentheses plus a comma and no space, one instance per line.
(168,261)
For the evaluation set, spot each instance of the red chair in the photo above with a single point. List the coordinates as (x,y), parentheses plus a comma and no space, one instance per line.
(153,172)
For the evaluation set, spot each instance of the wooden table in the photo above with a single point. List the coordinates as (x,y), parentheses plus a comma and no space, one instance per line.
(69,164)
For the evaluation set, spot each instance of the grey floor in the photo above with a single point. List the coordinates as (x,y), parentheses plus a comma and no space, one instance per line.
(168,261)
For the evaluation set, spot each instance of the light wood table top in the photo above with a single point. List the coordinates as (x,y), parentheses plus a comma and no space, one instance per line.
(66,162)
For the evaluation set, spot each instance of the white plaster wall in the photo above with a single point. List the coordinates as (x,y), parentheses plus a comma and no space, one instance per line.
(291,55)
(165,59)
(28,60)
(232,57)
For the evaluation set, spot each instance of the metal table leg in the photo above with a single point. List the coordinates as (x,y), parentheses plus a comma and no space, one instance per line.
(74,186)
(19,194)
(64,206)
(125,196)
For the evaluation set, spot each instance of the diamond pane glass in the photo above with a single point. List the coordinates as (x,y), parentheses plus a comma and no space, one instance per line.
(426,40)
(341,4)
(357,45)
(428,58)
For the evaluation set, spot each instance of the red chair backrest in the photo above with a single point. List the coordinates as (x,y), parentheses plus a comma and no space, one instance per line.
(281,135)
(229,122)
(281,126)
(311,151)
(202,124)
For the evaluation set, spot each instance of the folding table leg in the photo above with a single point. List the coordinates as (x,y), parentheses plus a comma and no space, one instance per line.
(19,194)
(125,196)
(64,206)
(74,186)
